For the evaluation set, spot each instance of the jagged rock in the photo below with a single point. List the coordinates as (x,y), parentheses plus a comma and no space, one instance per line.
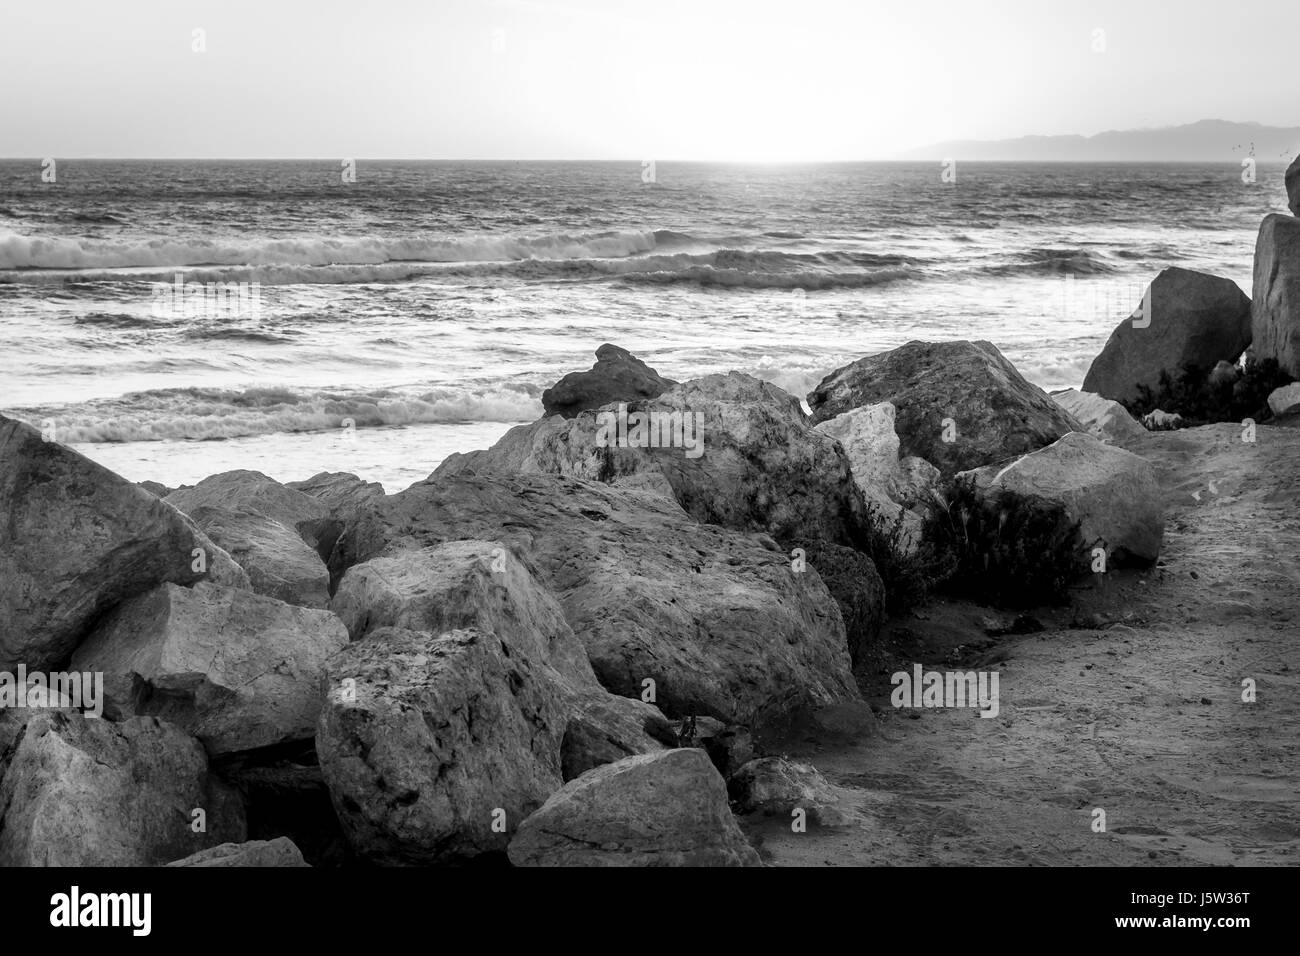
(278,852)
(651,594)
(278,562)
(1293,186)
(1112,493)
(84,792)
(775,786)
(481,584)
(617,376)
(1275,308)
(959,404)
(751,462)
(1284,400)
(78,539)
(428,742)
(340,491)
(1162,421)
(251,492)
(851,578)
(1186,319)
(1106,419)
(238,670)
(664,809)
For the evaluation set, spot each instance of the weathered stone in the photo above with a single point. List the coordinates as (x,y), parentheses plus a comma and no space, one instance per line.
(751,463)
(958,405)
(77,540)
(430,745)
(340,491)
(86,792)
(1293,186)
(664,809)
(1112,493)
(1275,307)
(279,563)
(775,786)
(617,376)
(237,670)
(1102,417)
(1284,400)
(278,852)
(1162,421)
(651,594)
(851,578)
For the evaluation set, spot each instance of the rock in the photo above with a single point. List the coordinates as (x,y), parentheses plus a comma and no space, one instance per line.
(1106,419)
(278,562)
(1162,421)
(774,786)
(730,748)
(965,392)
(751,463)
(86,792)
(278,852)
(664,809)
(851,578)
(1112,493)
(251,492)
(1275,308)
(481,584)
(651,594)
(1224,373)
(237,670)
(427,742)
(1293,186)
(78,539)
(1284,400)
(157,489)
(617,376)
(1187,319)
(340,491)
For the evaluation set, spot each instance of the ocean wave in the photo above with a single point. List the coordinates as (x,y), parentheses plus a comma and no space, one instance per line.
(57,252)
(1051,262)
(707,275)
(206,414)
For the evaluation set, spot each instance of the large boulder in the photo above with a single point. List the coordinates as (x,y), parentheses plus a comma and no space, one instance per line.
(238,670)
(852,580)
(1293,186)
(617,376)
(659,601)
(1112,493)
(959,404)
(1107,419)
(279,563)
(665,809)
(257,853)
(1275,308)
(482,585)
(77,540)
(84,792)
(434,748)
(340,491)
(750,462)
(1187,318)
(251,492)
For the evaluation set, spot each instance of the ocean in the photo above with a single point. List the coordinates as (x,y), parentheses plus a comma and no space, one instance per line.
(174,319)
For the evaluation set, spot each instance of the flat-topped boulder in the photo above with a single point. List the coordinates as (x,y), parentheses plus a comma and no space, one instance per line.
(238,670)
(436,747)
(617,376)
(78,539)
(1112,493)
(659,600)
(80,791)
(1102,417)
(731,449)
(665,809)
(958,405)
(1187,319)
(1275,306)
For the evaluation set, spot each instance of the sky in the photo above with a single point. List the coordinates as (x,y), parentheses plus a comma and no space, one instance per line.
(623,79)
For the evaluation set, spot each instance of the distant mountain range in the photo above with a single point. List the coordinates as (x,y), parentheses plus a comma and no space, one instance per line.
(1205,141)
